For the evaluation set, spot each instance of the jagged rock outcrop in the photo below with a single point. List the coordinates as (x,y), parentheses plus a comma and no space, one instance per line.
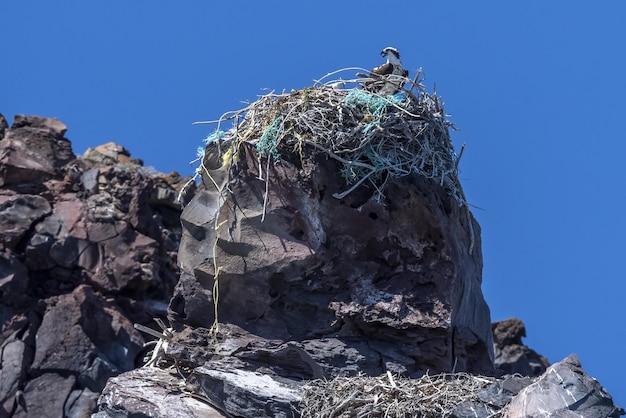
(564,390)
(310,286)
(511,355)
(302,270)
(316,282)
(88,247)
(354,284)
(151,392)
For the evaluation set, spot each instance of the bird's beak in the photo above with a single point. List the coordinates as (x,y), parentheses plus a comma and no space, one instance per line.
(382,53)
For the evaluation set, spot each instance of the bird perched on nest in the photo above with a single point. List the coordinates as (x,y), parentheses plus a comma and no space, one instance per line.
(388,78)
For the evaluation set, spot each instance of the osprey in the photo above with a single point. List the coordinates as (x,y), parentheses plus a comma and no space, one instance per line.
(388,78)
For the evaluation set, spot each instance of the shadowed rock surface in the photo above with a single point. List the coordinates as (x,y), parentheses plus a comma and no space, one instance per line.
(356,285)
(88,246)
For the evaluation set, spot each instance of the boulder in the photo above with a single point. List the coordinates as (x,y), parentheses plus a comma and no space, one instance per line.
(33,150)
(244,393)
(151,392)
(44,396)
(392,282)
(110,153)
(81,403)
(490,401)
(83,334)
(564,390)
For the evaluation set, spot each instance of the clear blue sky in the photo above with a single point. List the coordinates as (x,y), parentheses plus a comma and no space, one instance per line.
(537,89)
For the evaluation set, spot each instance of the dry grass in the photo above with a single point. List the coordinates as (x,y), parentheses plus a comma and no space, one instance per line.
(388,396)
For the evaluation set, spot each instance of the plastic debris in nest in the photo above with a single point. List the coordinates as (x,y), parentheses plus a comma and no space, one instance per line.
(375,138)
(389,396)
(268,144)
(376,105)
(215,136)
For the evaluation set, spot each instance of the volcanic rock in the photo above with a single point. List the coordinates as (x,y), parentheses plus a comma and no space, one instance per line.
(32,150)
(564,390)
(286,280)
(511,355)
(151,392)
(45,395)
(3,125)
(88,247)
(491,401)
(357,285)
(286,277)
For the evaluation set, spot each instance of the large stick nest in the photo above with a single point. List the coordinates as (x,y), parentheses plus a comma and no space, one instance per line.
(375,138)
(387,396)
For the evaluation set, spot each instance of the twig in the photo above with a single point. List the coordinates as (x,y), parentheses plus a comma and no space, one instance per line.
(458,159)
(162,342)
(339,71)
(390,377)
(354,186)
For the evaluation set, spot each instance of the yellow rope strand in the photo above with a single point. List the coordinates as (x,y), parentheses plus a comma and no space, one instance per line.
(215,327)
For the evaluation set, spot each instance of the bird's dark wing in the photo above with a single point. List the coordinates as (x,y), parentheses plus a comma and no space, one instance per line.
(384,69)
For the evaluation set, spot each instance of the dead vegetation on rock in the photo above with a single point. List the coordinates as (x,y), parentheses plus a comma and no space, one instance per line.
(391,396)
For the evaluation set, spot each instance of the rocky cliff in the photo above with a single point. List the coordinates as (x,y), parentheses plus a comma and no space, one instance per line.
(329,254)
(326,264)
(88,247)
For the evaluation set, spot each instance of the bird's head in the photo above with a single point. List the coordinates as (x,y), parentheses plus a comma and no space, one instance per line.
(391,54)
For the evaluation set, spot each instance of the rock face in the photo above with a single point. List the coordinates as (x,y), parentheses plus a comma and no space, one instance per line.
(307,285)
(302,270)
(351,285)
(286,274)
(88,246)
